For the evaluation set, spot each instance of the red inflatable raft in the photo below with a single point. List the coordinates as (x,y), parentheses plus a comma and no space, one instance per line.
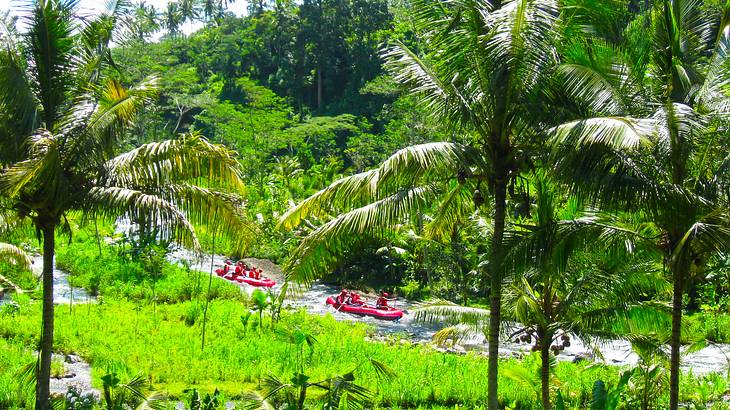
(389,313)
(232,277)
(262,282)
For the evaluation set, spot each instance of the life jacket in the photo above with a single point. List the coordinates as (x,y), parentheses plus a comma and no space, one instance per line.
(238,269)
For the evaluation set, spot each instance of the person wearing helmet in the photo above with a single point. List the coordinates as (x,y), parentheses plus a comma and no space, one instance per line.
(342,297)
(355,299)
(382,302)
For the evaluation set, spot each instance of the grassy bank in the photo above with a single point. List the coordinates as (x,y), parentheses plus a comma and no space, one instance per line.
(114,275)
(124,333)
(129,338)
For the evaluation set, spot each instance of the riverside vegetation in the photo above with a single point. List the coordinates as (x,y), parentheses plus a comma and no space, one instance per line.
(537,170)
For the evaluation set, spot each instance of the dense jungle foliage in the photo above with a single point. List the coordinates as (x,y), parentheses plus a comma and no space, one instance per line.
(532,173)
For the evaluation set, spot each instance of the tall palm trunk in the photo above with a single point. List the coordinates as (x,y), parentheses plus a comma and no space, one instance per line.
(42,392)
(545,370)
(675,341)
(495,311)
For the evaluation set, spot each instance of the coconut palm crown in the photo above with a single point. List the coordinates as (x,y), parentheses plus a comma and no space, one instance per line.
(666,157)
(482,76)
(57,97)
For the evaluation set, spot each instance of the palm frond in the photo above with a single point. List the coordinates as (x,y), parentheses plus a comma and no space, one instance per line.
(117,106)
(406,168)
(320,251)
(455,208)
(436,94)
(620,133)
(50,42)
(382,370)
(254,401)
(456,334)
(189,157)
(345,192)
(274,386)
(209,207)
(710,234)
(115,201)
(714,91)
(15,255)
(16,94)
(445,312)
(93,125)
(436,160)
(39,172)
(523,376)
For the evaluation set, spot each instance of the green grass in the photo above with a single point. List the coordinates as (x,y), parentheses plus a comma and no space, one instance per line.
(14,393)
(715,328)
(127,337)
(114,276)
(124,334)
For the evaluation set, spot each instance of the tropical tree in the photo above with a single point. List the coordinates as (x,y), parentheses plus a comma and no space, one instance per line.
(482,75)
(211,9)
(572,279)
(188,11)
(142,20)
(575,280)
(669,165)
(56,94)
(172,18)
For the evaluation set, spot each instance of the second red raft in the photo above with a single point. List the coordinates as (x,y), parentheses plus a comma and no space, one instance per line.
(389,313)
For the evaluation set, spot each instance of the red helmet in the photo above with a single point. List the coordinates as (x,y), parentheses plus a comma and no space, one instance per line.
(385,295)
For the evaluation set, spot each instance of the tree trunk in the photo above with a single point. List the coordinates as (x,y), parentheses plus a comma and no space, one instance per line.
(545,370)
(675,341)
(42,391)
(319,88)
(500,194)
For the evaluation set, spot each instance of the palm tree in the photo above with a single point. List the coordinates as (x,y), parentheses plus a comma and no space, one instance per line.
(557,293)
(54,85)
(670,165)
(172,18)
(562,293)
(211,9)
(485,67)
(142,20)
(188,11)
